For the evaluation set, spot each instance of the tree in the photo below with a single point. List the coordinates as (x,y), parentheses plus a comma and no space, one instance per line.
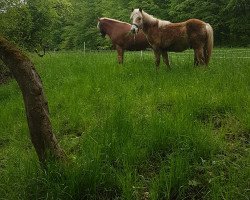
(15,22)
(236,15)
(36,105)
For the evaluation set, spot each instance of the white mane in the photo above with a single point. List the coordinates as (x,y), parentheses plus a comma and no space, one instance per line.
(163,23)
(149,18)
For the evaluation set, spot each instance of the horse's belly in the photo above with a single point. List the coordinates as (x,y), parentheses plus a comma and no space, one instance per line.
(137,46)
(176,43)
(178,46)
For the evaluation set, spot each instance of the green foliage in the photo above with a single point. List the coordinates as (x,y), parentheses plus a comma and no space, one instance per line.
(35,23)
(16,24)
(68,24)
(132,133)
(236,15)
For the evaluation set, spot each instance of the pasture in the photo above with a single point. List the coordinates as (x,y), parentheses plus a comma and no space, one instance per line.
(132,133)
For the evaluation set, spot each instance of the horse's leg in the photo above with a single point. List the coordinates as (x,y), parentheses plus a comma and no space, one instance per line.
(165,58)
(200,56)
(157,58)
(120,52)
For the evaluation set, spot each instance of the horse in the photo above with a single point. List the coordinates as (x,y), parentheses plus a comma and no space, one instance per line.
(119,33)
(165,36)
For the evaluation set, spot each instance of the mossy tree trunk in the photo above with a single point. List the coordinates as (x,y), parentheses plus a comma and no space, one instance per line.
(36,105)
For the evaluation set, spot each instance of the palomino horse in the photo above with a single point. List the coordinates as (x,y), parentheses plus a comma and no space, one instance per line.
(165,36)
(119,33)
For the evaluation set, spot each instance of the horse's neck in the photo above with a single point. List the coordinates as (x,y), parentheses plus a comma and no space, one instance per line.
(113,28)
(108,28)
(148,21)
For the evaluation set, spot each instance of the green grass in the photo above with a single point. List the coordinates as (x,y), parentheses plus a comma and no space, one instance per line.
(132,133)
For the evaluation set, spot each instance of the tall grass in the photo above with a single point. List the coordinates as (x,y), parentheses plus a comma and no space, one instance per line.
(132,133)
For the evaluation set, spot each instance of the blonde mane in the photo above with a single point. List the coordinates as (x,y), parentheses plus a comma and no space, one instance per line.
(163,23)
(151,19)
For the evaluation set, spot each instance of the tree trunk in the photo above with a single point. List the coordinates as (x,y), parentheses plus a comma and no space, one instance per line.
(5,74)
(36,105)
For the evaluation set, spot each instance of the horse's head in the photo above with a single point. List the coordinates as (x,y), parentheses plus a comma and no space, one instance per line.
(137,20)
(101,28)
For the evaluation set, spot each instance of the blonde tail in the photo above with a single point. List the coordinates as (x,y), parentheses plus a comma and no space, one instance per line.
(210,43)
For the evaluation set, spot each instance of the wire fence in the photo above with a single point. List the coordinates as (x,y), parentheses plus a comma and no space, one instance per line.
(218,53)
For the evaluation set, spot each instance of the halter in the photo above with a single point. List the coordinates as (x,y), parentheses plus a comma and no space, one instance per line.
(136,25)
(137,28)
(132,16)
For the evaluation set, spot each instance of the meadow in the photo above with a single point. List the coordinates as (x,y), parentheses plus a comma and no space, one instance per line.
(133,133)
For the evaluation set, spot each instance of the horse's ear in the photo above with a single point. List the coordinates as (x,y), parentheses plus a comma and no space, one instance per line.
(140,9)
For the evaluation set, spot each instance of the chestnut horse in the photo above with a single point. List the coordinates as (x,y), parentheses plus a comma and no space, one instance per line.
(165,36)
(119,33)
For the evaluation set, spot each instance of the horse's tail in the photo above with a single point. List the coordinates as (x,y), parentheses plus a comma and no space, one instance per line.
(209,44)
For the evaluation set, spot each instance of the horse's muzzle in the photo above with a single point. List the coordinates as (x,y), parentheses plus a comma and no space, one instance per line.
(102,34)
(134,29)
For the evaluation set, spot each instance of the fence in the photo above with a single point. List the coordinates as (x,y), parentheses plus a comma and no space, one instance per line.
(218,53)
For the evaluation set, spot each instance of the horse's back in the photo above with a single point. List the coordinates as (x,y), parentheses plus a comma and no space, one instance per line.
(180,36)
(173,37)
(195,25)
